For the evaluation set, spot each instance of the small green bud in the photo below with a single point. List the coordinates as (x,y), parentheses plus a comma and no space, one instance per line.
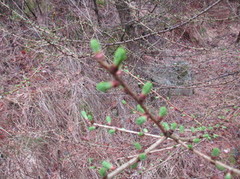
(147,88)
(181,128)
(95,45)
(215,152)
(142,156)
(162,111)
(228,176)
(124,102)
(108,119)
(90,117)
(137,146)
(165,125)
(104,86)
(119,56)
(140,134)
(145,130)
(190,146)
(134,166)
(140,109)
(196,140)
(173,126)
(219,167)
(90,160)
(107,165)
(103,172)
(207,136)
(210,128)
(84,114)
(140,120)
(91,128)
(111,131)
(193,129)
(92,167)
(203,128)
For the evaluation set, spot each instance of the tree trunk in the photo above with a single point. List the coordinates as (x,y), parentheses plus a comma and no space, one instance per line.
(125,17)
(96,12)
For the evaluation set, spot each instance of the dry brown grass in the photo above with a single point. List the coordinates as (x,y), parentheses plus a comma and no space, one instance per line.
(46,82)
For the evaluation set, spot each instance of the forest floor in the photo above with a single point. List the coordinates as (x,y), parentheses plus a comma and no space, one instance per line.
(44,87)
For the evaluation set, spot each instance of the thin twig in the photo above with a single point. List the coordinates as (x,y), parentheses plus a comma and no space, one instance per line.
(168,29)
(145,133)
(125,130)
(168,134)
(152,151)
(134,160)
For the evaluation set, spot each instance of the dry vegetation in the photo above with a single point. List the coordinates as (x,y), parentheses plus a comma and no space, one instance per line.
(48,77)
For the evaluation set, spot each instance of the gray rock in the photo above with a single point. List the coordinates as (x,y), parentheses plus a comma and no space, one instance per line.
(173,79)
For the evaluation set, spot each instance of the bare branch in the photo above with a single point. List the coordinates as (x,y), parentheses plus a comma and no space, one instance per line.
(134,160)
(168,29)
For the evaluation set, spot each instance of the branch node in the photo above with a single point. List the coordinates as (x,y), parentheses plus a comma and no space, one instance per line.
(113,69)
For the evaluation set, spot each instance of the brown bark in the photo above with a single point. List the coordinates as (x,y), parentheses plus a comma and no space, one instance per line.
(238,38)
(125,17)
(97,12)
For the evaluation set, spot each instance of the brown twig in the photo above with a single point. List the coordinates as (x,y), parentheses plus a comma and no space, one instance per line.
(135,159)
(168,29)
(113,70)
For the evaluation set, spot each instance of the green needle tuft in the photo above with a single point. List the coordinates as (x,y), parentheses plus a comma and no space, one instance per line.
(95,45)
(107,165)
(173,126)
(104,86)
(91,128)
(147,88)
(196,140)
(162,111)
(140,109)
(215,152)
(108,119)
(119,56)
(140,120)
(103,171)
(137,146)
(142,156)
(84,114)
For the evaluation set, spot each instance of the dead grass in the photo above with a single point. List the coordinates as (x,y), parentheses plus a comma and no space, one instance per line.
(43,133)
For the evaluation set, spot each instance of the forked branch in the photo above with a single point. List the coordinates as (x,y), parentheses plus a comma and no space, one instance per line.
(113,69)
